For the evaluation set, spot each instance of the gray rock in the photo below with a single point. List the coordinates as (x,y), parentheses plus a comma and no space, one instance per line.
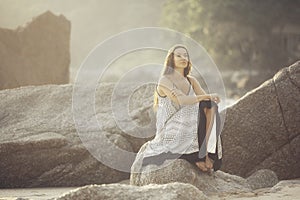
(262,178)
(286,184)
(37,53)
(172,191)
(284,190)
(262,130)
(40,146)
(182,171)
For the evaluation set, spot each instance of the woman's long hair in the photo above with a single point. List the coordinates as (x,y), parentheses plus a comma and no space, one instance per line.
(169,66)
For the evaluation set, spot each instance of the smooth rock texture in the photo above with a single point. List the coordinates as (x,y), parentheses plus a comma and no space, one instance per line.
(182,171)
(262,130)
(174,191)
(36,54)
(39,144)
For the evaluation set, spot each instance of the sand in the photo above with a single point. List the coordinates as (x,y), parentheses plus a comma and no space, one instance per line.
(33,193)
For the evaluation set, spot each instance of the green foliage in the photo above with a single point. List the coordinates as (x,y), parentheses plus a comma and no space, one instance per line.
(236,33)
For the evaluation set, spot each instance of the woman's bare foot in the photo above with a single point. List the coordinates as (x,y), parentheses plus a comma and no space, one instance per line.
(209,163)
(201,166)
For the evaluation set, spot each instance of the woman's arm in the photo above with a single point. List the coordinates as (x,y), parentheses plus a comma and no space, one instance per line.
(196,86)
(166,87)
(199,91)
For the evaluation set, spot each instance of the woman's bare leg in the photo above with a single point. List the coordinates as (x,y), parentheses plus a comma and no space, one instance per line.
(210,114)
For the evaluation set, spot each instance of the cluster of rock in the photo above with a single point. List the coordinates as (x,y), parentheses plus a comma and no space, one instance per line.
(181,180)
(39,144)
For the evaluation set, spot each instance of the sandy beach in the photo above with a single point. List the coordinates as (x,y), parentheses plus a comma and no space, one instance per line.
(33,193)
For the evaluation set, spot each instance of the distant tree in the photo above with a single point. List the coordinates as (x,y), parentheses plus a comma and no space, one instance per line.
(238,34)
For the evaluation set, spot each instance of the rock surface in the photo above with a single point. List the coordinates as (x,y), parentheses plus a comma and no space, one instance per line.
(39,145)
(284,190)
(262,178)
(174,191)
(36,54)
(262,130)
(210,183)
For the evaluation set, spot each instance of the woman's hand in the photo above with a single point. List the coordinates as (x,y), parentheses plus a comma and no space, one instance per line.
(214,97)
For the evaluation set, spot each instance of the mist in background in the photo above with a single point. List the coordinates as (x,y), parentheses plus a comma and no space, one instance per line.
(92,21)
(249,40)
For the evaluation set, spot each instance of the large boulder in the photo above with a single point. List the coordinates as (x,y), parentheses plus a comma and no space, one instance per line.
(179,191)
(40,146)
(262,130)
(36,54)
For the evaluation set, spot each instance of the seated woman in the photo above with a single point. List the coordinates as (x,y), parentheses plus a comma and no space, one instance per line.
(181,130)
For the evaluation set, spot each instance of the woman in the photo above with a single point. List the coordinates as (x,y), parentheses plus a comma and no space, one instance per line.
(176,101)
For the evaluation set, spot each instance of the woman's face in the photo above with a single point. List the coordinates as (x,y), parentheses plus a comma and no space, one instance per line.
(181,58)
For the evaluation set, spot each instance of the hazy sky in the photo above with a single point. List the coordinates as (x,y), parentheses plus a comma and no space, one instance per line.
(92,20)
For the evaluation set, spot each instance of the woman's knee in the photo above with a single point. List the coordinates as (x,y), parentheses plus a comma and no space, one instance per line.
(210,110)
